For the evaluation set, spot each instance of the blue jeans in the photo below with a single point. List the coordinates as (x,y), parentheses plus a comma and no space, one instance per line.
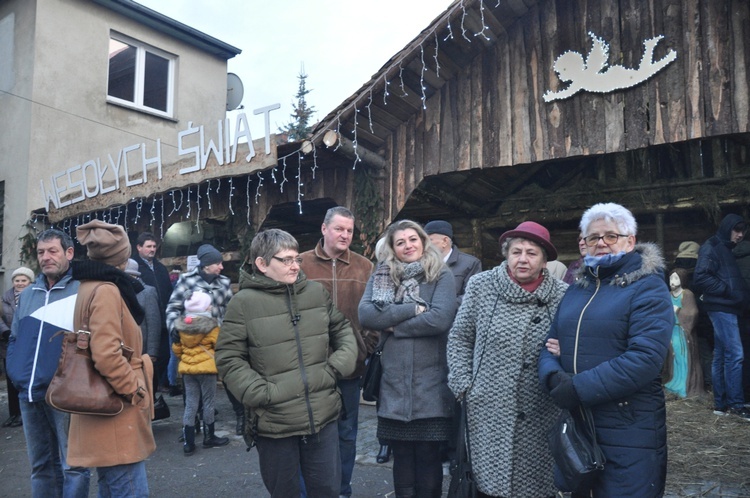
(46,432)
(172,369)
(348,431)
(727,365)
(128,480)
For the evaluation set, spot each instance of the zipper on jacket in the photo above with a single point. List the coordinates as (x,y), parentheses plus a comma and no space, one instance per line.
(303,371)
(334,281)
(38,340)
(580,319)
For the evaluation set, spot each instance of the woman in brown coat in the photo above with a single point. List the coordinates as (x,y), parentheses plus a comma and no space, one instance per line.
(117,446)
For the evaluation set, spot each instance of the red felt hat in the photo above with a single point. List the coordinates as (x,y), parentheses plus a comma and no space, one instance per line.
(534,232)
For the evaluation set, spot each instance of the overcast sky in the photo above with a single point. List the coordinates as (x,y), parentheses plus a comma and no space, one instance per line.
(341,43)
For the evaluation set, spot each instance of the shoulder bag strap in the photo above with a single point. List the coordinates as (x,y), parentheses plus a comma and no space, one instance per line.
(83,334)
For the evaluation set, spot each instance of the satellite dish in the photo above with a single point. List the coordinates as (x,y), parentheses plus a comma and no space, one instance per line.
(235,91)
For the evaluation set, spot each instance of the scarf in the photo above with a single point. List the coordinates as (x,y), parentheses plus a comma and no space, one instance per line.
(607,260)
(385,290)
(208,277)
(129,287)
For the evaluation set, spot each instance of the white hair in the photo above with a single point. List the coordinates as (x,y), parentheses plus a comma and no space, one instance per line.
(611,212)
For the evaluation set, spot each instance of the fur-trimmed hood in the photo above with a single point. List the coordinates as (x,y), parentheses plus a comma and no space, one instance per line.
(645,259)
(198,325)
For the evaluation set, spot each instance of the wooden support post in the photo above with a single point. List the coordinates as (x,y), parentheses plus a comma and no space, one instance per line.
(660,230)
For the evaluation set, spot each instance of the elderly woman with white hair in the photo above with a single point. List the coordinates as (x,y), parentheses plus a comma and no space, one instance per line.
(614,326)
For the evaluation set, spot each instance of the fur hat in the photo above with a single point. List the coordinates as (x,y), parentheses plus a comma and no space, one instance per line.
(208,255)
(688,249)
(22,270)
(198,302)
(439,226)
(132,268)
(535,233)
(106,243)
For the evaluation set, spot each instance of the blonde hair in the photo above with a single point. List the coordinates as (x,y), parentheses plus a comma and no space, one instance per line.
(431,259)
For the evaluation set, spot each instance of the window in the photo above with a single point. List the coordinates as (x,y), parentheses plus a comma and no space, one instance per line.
(140,76)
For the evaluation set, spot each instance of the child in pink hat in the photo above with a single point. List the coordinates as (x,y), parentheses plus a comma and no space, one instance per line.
(198,333)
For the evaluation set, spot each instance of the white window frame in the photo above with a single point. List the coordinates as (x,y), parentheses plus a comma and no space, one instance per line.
(140,70)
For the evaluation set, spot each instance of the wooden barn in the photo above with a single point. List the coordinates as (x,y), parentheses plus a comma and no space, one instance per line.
(502,111)
(456,125)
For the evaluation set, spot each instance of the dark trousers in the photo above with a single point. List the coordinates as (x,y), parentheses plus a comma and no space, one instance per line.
(417,469)
(315,457)
(237,407)
(14,408)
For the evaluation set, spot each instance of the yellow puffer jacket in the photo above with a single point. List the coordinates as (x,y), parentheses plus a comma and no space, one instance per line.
(197,343)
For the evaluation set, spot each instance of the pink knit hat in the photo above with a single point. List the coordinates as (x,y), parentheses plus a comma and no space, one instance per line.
(198,302)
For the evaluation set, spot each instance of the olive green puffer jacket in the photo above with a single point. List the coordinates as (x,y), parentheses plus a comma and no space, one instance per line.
(285,374)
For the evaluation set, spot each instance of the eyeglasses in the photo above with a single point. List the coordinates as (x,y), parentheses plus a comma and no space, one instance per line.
(288,261)
(609,239)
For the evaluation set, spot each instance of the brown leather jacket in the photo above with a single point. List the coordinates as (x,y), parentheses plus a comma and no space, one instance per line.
(345,278)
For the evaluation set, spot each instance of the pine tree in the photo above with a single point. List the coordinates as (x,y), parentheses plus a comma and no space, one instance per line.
(299,126)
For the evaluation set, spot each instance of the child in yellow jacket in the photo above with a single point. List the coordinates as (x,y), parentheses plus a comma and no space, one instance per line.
(198,333)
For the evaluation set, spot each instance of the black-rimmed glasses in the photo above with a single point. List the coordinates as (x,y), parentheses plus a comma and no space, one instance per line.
(288,261)
(609,239)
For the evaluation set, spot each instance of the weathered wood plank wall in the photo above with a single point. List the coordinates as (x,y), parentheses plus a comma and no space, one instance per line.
(491,114)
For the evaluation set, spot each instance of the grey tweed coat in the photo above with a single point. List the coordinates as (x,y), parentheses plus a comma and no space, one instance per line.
(493,350)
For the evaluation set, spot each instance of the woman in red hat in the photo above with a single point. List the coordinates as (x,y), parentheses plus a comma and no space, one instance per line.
(493,349)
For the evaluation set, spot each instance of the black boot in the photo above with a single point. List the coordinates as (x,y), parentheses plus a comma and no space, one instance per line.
(197,424)
(188,433)
(210,440)
(384,454)
(240,428)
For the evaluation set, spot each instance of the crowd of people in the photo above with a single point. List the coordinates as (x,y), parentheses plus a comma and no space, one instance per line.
(612,332)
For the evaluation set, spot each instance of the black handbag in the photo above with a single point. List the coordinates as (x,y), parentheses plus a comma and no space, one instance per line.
(462,478)
(371,379)
(161,409)
(572,441)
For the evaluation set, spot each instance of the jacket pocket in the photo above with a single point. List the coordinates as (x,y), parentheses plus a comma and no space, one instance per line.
(626,411)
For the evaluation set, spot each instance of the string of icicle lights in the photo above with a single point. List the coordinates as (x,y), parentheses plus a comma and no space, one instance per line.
(195,199)
(395,71)
(177,199)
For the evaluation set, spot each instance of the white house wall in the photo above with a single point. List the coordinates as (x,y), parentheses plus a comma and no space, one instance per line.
(58,116)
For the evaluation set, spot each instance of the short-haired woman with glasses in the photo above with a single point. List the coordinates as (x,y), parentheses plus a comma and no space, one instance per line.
(281,349)
(614,326)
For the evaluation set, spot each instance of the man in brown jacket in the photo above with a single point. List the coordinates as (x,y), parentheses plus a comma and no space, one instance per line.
(344,274)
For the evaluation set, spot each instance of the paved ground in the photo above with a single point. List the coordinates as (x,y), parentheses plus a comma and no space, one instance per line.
(232,471)
(227,472)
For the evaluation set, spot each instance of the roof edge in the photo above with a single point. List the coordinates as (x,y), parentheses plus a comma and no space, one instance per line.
(171,27)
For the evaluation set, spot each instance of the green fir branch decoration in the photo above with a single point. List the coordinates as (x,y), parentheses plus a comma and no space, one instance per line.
(368,209)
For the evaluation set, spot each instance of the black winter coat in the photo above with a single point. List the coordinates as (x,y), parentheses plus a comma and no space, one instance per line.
(717,280)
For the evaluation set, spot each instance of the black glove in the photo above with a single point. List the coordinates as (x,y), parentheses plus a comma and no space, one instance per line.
(563,392)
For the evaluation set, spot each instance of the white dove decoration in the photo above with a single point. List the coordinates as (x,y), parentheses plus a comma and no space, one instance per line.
(594,75)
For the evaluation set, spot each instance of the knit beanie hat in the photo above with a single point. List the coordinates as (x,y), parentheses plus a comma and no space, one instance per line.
(198,302)
(132,268)
(22,270)
(688,249)
(106,243)
(208,255)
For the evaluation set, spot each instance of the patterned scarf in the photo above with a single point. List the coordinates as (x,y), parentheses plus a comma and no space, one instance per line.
(385,291)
